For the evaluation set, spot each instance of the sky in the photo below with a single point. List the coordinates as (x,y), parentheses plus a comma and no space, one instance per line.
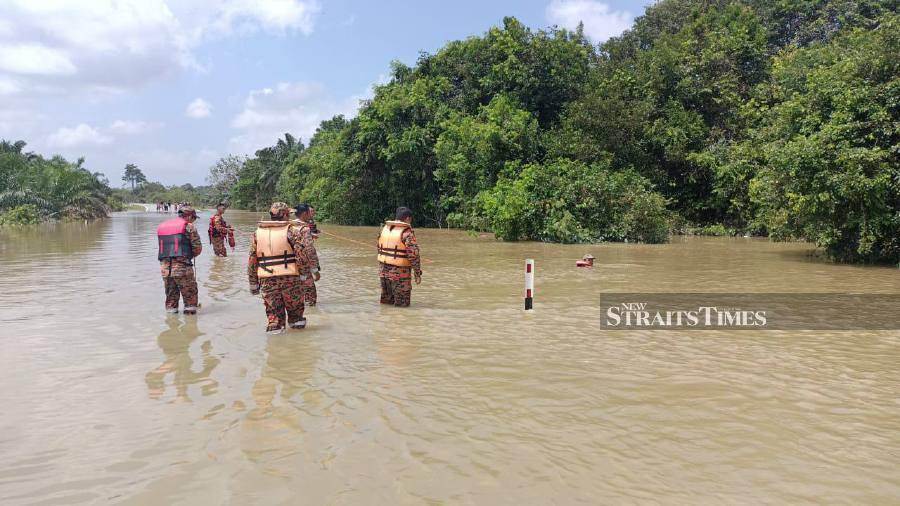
(173,85)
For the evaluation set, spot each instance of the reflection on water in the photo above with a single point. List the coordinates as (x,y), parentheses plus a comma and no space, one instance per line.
(175,343)
(282,397)
(462,398)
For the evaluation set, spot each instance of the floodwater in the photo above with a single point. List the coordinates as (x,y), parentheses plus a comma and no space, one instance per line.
(463,398)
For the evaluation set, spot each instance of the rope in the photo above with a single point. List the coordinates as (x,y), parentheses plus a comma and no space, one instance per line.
(368,245)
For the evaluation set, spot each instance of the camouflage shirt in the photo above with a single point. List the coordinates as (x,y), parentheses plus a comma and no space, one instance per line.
(297,242)
(309,245)
(182,266)
(412,250)
(220,226)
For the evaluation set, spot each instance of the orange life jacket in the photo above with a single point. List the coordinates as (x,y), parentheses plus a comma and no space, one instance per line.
(274,253)
(391,248)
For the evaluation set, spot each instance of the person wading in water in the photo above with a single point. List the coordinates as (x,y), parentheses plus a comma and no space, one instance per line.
(398,257)
(303,213)
(277,267)
(179,244)
(219,230)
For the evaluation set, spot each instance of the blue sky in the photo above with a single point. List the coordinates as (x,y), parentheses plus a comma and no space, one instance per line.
(172,85)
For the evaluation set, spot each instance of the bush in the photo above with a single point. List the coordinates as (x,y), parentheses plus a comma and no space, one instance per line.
(716,230)
(827,137)
(568,201)
(26,214)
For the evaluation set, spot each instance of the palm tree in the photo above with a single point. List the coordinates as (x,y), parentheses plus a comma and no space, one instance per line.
(54,187)
(272,161)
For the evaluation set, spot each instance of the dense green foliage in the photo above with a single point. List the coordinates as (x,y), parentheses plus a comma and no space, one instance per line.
(726,116)
(25,214)
(34,188)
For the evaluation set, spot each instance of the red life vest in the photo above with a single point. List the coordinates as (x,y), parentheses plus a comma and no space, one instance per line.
(174,241)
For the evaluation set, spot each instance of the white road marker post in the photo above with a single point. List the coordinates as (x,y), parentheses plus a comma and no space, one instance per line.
(529,284)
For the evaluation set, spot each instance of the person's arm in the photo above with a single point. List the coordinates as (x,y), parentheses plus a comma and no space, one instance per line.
(252,266)
(412,252)
(196,243)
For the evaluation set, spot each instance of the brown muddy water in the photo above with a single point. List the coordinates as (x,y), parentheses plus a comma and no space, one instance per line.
(462,399)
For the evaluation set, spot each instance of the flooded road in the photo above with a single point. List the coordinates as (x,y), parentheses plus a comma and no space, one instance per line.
(463,398)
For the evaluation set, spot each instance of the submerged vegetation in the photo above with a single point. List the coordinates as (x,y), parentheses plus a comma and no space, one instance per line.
(775,118)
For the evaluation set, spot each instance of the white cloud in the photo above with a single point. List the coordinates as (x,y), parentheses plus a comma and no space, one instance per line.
(126,127)
(34,59)
(600,22)
(63,46)
(8,86)
(297,108)
(198,108)
(20,123)
(271,15)
(83,134)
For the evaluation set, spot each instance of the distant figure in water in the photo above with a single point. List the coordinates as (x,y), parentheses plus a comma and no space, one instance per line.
(586,261)
(219,231)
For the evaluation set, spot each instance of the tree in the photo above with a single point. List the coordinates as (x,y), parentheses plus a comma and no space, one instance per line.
(133,175)
(767,116)
(828,165)
(224,175)
(49,187)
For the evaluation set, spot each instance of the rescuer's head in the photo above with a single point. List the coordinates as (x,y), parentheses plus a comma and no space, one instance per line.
(303,212)
(188,213)
(279,211)
(403,214)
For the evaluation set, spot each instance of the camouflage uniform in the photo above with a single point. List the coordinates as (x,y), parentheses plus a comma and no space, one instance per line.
(282,295)
(396,281)
(310,295)
(220,233)
(178,274)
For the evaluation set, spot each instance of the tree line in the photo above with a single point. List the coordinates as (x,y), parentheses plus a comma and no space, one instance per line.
(772,118)
(34,189)
(145,191)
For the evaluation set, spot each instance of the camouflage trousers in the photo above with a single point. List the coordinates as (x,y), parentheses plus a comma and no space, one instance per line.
(283,297)
(218,244)
(309,291)
(181,287)
(396,291)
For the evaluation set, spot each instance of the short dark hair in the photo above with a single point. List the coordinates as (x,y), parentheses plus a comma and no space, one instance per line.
(402,213)
(221,204)
(302,208)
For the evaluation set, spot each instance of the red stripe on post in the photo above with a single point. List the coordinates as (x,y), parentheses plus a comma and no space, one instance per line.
(527,267)
(528,293)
